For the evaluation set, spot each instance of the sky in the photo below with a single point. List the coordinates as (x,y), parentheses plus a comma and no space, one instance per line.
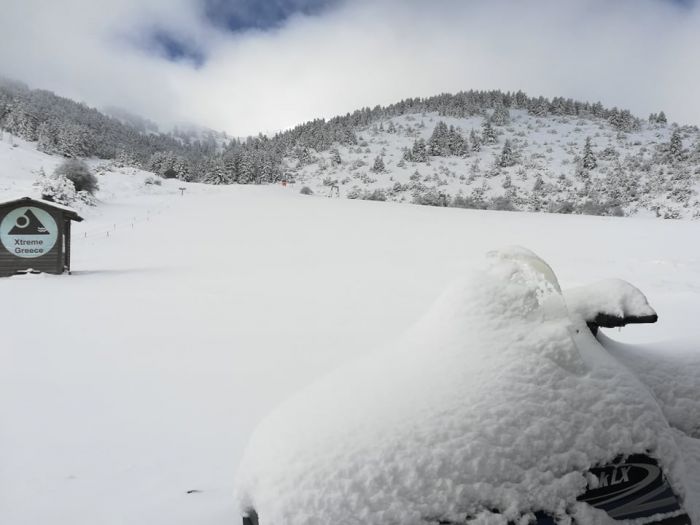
(247,66)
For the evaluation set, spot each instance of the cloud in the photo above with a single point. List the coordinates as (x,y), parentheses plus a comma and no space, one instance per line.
(638,54)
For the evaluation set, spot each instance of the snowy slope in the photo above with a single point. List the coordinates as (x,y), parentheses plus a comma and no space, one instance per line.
(21,166)
(141,376)
(628,172)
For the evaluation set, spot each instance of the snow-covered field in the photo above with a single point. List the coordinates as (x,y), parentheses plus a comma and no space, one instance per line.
(140,377)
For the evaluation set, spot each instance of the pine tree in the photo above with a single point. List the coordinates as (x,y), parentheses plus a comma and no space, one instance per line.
(538,184)
(126,159)
(475,141)
(589,162)
(73,141)
(336,160)
(661,118)
(22,122)
(455,143)
(47,138)
(437,141)
(507,181)
(535,199)
(419,151)
(217,174)
(462,147)
(246,169)
(230,163)
(304,156)
(507,157)
(675,148)
(500,116)
(488,133)
(378,166)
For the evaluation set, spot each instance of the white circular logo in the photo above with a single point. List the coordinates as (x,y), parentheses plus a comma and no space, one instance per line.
(28,232)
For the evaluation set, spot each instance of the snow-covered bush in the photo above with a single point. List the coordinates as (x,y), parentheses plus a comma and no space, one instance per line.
(593,207)
(306,191)
(56,189)
(61,190)
(367,195)
(460,201)
(501,203)
(79,174)
(354,193)
(564,207)
(431,197)
(374,195)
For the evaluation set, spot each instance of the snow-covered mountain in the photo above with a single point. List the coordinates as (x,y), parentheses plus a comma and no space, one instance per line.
(514,160)
(473,149)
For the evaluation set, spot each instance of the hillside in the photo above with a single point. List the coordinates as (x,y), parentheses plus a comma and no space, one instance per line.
(516,162)
(187,318)
(473,149)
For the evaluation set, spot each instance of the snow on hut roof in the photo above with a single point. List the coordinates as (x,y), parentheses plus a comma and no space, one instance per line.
(70,212)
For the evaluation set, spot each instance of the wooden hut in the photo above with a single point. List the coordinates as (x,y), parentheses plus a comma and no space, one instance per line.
(35,236)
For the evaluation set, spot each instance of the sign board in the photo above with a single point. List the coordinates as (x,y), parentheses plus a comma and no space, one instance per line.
(634,488)
(28,232)
(630,488)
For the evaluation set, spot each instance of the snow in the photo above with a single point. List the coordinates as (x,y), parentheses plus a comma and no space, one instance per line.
(498,399)
(48,203)
(189,318)
(671,371)
(613,297)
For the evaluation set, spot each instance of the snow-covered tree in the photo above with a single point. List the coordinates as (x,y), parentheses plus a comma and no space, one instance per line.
(419,151)
(378,166)
(79,174)
(47,137)
(22,121)
(622,120)
(74,141)
(304,156)
(675,147)
(437,141)
(446,141)
(488,134)
(507,157)
(659,118)
(336,160)
(218,174)
(589,160)
(507,182)
(474,141)
(125,159)
(456,144)
(56,189)
(500,116)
